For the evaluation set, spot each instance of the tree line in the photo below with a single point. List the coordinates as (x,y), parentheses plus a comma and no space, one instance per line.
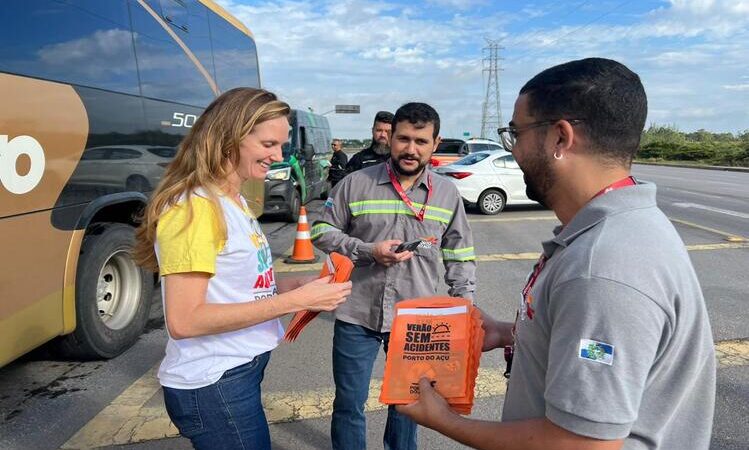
(667,143)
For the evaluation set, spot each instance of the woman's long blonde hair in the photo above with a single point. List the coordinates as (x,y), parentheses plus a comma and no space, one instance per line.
(205,158)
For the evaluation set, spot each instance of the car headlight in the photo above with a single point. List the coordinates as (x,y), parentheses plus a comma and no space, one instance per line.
(279,174)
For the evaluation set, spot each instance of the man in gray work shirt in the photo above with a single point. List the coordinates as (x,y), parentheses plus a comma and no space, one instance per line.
(612,343)
(370,213)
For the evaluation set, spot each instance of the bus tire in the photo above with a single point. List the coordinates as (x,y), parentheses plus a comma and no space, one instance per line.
(113,295)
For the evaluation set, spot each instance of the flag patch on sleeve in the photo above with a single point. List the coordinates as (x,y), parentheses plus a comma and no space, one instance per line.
(600,352)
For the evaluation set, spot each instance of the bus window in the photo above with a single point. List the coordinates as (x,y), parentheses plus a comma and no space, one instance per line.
(198,35)
(115,11)
(175,13)
(234,54)
(166,72)
(55,41)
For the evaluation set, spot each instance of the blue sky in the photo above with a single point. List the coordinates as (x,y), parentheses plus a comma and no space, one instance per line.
(692,55)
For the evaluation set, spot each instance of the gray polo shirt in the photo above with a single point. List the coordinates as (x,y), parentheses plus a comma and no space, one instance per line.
(620,344)
(365,208)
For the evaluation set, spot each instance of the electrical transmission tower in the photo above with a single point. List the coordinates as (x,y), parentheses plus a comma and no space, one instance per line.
(491,118)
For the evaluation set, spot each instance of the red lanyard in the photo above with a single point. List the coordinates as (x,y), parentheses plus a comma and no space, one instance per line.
(537,268)
(397,185)
(624,182)
(526,306)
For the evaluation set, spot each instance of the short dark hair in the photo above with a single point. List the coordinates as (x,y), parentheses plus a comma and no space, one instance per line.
(384,117)
(608,96)
(418,114)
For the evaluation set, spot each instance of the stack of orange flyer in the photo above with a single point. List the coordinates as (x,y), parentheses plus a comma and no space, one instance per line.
(439,338)
(335,264)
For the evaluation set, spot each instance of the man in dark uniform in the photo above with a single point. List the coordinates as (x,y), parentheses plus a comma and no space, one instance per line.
(379,150)
(337,163)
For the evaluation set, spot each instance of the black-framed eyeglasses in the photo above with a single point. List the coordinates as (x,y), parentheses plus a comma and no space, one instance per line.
(508,135)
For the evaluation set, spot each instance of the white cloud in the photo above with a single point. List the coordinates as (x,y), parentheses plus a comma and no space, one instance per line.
(458,4)
(737,87)
(381,55)
(695,113)
(92,54)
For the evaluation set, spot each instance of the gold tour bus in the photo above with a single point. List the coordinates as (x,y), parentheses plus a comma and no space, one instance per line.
(95,97)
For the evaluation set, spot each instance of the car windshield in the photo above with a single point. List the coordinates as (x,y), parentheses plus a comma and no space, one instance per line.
(483,147)
(164,152)
(471,159)
(448,147)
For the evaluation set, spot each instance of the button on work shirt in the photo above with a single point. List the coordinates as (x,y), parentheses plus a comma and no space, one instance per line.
(365,208)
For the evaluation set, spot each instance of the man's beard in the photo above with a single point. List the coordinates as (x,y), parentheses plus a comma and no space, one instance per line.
(539,178)
(380,149)
(406,172)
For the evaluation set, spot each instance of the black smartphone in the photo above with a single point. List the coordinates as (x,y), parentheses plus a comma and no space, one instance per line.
(408,246)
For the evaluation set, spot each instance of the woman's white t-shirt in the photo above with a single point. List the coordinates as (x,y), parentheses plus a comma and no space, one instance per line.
(241,270)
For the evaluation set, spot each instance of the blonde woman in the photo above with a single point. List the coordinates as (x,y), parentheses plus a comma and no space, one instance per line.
(221,299)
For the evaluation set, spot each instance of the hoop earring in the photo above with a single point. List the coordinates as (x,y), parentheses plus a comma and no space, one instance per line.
(558,157)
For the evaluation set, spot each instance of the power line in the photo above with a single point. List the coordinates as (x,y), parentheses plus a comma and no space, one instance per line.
(574,30)
(538,32)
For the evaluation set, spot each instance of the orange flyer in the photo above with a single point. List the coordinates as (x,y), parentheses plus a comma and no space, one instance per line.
(439,338)
(335,264)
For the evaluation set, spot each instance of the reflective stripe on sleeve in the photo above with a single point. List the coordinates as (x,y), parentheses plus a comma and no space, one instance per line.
(321,228)
(459,254)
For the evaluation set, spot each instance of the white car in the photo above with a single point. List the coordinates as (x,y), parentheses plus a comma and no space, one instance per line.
(488,179)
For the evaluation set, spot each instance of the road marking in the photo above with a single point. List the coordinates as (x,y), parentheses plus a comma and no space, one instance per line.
(128,420)
(138,413)
(732,353)
(728,236)
(723,246)
(280,267)
(513,219)
(712,209)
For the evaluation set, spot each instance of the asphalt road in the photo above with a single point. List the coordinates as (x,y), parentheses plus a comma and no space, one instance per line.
(45,403)
(711,198)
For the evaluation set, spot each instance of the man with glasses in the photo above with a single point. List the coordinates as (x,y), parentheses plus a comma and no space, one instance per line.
(337,163)
(611,347)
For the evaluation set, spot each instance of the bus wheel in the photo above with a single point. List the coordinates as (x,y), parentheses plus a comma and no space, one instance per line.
(113,295)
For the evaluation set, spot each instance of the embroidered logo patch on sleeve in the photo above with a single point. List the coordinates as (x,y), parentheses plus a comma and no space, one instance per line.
(596,351)
(329,202)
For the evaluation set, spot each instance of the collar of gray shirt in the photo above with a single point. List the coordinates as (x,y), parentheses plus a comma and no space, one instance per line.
(384,178)
(642,195)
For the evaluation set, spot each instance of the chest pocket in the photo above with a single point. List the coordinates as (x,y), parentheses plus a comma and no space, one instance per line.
(432,228)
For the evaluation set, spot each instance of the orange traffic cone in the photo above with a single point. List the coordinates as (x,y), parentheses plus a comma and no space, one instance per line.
(303,250)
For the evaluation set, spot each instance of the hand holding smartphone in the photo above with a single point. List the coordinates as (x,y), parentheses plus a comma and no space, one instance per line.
(408,246)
